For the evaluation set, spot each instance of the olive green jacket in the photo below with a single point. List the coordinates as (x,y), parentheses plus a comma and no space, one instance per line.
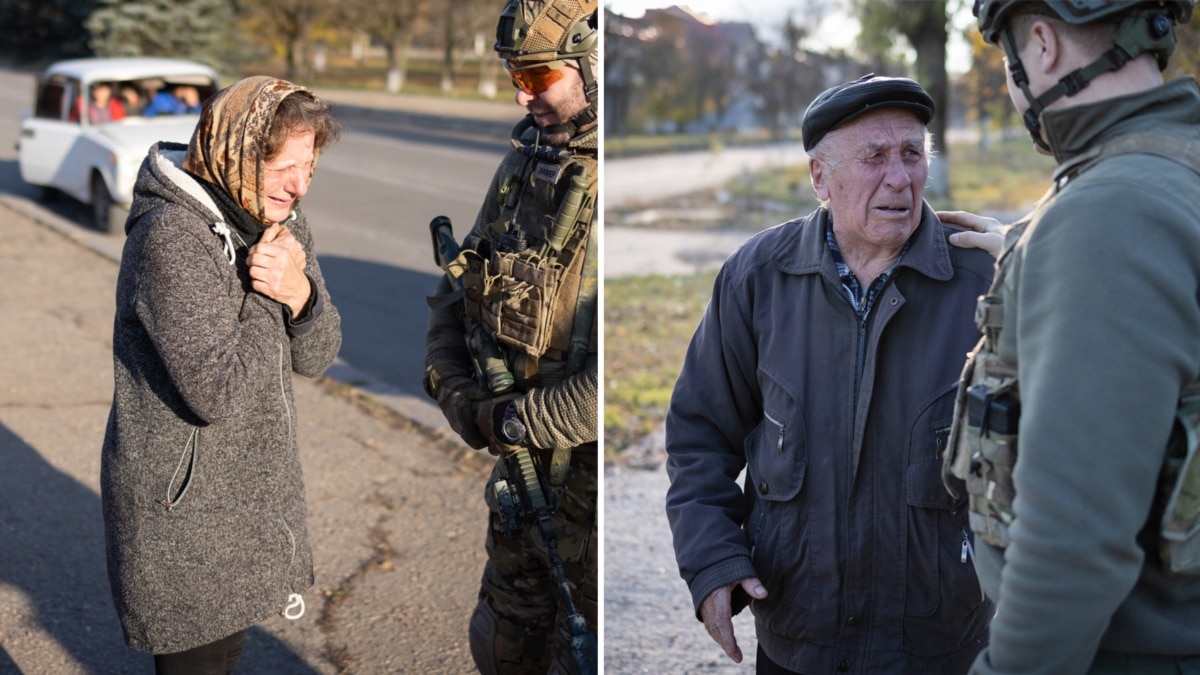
(1101,297)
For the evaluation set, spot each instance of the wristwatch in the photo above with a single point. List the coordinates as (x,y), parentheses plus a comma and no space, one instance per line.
(512,429)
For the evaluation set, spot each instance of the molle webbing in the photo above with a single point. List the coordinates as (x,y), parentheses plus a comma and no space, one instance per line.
(585,307)
(530,297)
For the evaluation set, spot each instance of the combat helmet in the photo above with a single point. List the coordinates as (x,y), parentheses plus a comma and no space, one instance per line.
(1141,27)
(534,33)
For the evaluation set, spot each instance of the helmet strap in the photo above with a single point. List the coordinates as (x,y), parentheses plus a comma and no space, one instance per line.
(573,125)
(591,88)
(1135,35)
(1032,116)
(588,115)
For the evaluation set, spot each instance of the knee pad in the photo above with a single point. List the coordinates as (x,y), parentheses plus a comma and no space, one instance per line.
(483,638)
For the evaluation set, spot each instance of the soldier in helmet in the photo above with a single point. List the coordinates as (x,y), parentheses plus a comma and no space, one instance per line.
(529,281)
(1075,426)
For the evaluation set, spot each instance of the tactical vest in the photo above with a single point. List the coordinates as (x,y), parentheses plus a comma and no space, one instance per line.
(532,282)
(984,438)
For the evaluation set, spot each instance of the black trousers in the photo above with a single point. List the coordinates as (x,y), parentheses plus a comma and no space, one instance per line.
(214,658)
(763,665)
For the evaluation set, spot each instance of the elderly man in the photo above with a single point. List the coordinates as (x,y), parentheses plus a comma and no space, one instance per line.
(826,365)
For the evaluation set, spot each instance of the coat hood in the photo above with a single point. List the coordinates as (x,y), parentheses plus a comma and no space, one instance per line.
(162,178)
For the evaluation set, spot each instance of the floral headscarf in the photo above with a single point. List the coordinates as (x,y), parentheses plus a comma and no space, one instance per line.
(226,148)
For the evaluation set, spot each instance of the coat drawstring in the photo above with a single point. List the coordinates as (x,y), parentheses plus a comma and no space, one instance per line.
(222,230)
(295,607)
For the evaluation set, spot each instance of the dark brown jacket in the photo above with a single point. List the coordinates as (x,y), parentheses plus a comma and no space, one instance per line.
(844,516)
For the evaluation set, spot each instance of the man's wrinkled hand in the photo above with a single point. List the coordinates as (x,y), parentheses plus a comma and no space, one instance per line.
(276,264)
(457,397)
(717,612)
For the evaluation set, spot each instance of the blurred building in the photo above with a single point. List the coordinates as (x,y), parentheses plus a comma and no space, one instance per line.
(677,71)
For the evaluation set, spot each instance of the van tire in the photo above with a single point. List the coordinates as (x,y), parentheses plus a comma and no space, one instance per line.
(107,215)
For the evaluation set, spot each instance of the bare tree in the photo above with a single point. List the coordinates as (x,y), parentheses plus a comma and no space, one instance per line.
(463,21)
(290,22)
(923,24)
(788,77)
(393,23)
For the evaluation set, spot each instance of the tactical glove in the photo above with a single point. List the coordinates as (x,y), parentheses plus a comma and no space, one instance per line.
(497,419)
(456,396)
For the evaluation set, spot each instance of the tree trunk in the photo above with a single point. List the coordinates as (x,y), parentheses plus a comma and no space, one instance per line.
(930,43)
(295,54)
(448,54)
(487,76)
(397,56)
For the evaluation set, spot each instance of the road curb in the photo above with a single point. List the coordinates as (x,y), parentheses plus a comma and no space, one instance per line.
(421,413)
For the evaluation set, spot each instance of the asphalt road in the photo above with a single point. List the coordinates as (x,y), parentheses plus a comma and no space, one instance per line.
(634,181)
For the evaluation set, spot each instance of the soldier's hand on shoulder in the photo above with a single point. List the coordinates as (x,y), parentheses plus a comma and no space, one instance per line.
(982,232)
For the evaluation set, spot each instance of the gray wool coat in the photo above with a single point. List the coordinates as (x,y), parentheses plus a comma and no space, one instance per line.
(201,485)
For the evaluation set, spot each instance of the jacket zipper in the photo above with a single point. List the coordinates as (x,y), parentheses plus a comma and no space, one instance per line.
(860,364)
(190,459)
(295,605)
(782,428)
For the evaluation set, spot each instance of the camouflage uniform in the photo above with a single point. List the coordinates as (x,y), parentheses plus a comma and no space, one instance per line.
(518,583)
(529,281)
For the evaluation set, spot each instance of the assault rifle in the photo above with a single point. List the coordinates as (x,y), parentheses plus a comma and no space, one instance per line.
(520,497)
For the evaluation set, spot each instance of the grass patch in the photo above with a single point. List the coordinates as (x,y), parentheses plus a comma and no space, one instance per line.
(423,76)
(1009,176)
(648,323)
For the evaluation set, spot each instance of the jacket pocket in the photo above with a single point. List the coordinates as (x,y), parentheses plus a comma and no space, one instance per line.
(776,457)
(940,575)
(185,472)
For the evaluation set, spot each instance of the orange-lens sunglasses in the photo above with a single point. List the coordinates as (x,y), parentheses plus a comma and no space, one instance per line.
(535,79)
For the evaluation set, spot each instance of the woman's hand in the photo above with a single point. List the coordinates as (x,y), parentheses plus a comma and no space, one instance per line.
(277,268)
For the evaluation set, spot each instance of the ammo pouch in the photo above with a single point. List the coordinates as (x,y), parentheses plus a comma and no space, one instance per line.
(525,301)
(983,446)
(1179,485)
(513,295)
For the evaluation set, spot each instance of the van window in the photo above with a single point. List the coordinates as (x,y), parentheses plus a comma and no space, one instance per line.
(53,98)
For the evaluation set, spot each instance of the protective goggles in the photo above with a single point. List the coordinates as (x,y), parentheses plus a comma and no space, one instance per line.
(535,78)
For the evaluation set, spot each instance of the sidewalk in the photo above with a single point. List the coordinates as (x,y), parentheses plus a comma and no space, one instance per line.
(491,118)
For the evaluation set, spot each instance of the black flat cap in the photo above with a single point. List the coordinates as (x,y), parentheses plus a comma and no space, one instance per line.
(840,104)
